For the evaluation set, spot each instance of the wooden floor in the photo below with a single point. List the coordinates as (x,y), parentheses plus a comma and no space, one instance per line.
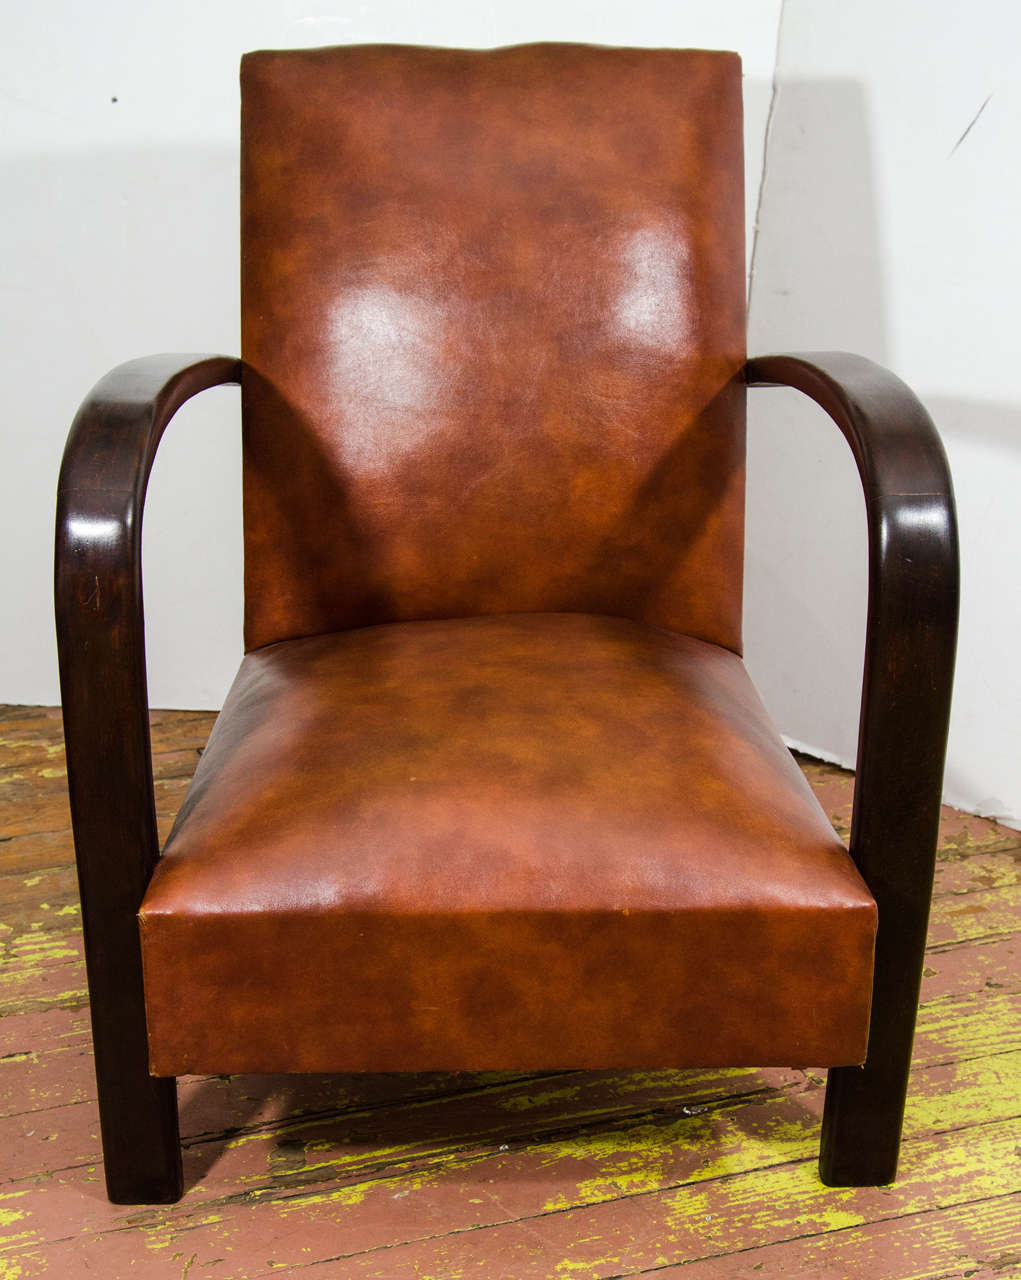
(573,1176)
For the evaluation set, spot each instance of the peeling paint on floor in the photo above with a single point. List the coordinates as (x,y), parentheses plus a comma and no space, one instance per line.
(500,1175)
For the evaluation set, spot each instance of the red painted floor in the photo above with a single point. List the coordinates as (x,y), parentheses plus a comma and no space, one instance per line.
(580,1175)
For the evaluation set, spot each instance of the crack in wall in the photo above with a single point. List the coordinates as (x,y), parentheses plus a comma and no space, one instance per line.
(974,122)
(765,154)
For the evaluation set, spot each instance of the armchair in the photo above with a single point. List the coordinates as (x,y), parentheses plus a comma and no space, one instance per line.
(492,787)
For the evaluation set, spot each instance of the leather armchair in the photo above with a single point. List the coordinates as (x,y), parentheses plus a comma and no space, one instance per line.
(492,787)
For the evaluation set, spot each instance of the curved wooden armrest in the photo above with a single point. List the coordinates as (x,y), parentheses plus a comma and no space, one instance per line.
(101,647)
(913,593)
(115,433)
(98,596)
(911,635)
(891,435)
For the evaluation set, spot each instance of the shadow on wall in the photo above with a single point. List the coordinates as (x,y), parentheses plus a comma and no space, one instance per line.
(984,765)
(816,284)
(819,282)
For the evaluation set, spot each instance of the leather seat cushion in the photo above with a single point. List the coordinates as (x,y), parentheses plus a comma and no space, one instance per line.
(521,841)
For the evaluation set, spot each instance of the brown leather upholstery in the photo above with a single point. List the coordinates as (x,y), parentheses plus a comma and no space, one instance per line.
(493,322)
(538,840)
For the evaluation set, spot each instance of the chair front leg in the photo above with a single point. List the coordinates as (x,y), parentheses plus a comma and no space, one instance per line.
(895,821)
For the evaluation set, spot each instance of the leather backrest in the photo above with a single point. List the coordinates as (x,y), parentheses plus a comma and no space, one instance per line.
(493,327)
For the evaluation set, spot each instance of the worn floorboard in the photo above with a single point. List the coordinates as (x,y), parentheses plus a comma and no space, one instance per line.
(502,1176)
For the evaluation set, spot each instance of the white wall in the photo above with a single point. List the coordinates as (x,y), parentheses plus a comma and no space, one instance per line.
(882,231)
(119,226)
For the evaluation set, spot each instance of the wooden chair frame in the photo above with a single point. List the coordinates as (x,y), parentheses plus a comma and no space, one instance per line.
(909,658)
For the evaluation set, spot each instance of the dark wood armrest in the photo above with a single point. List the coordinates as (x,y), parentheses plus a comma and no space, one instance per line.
(913,587)
(98,596)
(911,635)
(101,648)
(115,433)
